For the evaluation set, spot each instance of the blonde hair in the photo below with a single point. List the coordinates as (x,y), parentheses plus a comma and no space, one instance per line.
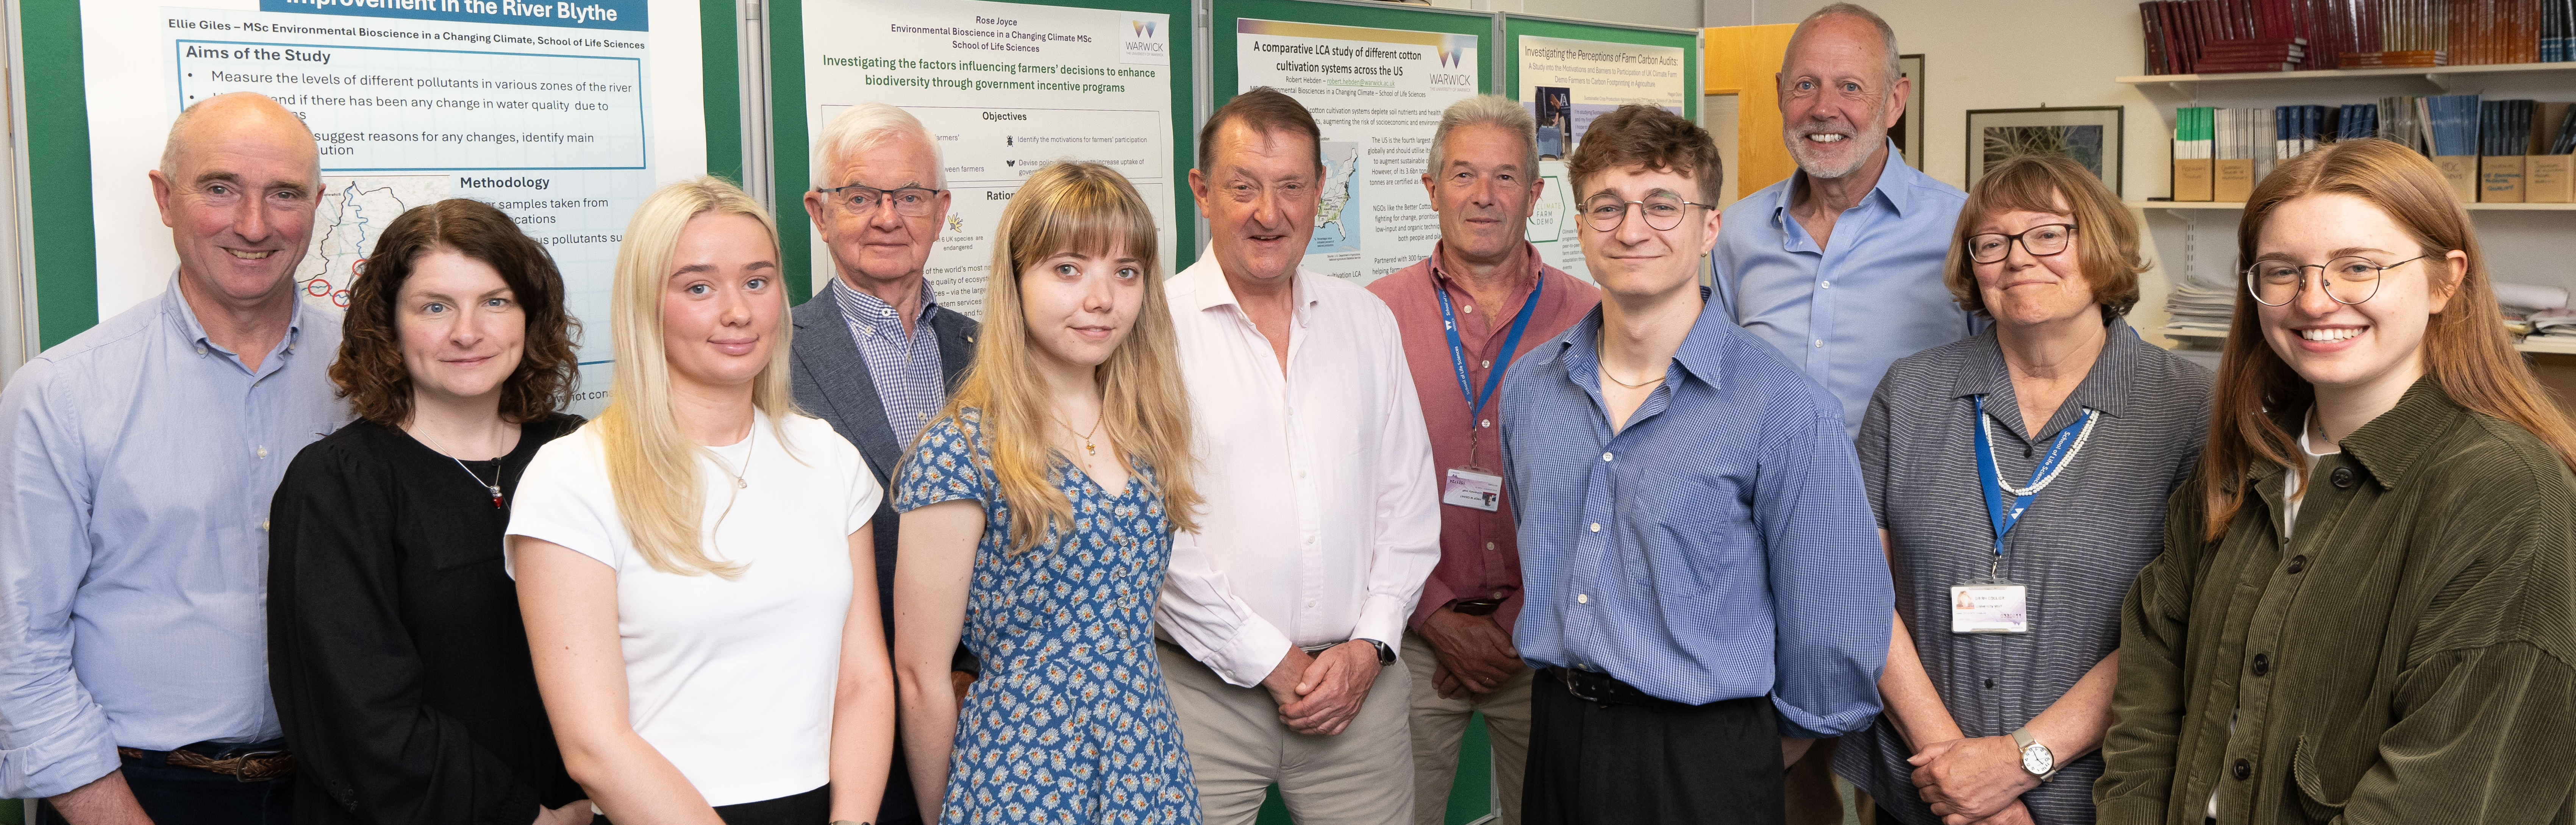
(652,467)
(1088,208)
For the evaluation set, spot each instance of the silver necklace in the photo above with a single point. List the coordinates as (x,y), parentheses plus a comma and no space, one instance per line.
(494,487)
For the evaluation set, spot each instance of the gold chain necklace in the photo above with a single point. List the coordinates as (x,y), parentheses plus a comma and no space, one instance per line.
(1598,346)
(1087,447)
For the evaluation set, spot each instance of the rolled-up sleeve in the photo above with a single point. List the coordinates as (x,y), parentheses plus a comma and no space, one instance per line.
(1408,509)
(53,735)
(1830,592)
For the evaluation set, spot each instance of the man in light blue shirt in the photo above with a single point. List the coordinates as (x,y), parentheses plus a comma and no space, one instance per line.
(140,457)
(1840,265)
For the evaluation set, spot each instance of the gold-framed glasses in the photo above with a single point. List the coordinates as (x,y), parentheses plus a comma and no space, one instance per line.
(2350,279)
(1664,211)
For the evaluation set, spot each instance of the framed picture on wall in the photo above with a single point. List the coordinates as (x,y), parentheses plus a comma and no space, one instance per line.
(2089,134)
(1908,131)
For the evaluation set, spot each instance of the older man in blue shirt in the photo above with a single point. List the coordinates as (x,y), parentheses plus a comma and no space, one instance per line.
(1704,589)
(140,457)
(1840,265)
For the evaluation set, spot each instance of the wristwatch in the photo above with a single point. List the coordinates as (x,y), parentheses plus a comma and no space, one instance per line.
(1385,655)
(2035,757)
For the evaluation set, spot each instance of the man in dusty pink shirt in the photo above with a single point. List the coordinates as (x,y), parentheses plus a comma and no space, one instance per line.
(1500,301)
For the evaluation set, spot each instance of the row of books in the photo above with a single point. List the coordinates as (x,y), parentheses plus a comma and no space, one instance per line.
(2226,36)
(2490,150)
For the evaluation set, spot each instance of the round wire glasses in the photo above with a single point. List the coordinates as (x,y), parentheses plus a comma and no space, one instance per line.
(2349,279)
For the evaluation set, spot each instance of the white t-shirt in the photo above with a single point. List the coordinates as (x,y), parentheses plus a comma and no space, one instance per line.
(731,680)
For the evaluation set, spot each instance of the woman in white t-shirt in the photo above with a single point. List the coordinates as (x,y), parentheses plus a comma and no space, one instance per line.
(694,565)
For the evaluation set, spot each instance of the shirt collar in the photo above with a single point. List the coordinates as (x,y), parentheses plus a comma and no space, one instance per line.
(2105,386)
(2389,444)
(871,311)
(1895,186)
(1440,277)
(1702,352)
(183,319)
(1212,290)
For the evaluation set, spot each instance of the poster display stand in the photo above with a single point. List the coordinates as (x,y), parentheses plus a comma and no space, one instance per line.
(1570,71)
(1006,89)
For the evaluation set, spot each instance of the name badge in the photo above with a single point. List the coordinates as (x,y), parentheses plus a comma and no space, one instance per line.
(1469,488)
(1989,608)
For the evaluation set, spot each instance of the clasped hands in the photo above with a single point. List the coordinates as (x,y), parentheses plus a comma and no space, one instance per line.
(1974,781)
(1320,694)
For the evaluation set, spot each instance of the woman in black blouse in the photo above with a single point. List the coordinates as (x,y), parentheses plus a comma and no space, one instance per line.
(396,652)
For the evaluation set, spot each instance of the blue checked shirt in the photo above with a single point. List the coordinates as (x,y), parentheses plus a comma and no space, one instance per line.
(905,368)
(140,459)
(1844,312)
(1719,547)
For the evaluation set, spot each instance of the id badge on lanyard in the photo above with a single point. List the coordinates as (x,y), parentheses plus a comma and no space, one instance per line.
(1994,604)
(1472,486)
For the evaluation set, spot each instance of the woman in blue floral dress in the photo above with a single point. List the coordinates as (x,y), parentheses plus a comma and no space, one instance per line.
(1038,511)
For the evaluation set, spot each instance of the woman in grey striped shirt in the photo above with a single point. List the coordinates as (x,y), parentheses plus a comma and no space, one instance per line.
(2058,430)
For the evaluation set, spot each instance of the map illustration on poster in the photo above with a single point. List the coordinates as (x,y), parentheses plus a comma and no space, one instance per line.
(1377,94)
(1007,89)
(542,110)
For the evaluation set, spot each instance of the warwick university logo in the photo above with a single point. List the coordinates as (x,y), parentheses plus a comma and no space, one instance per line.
(1144,28)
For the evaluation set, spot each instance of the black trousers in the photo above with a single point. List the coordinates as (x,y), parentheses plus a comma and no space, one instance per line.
(812,807)
(174,795)
(1596,764)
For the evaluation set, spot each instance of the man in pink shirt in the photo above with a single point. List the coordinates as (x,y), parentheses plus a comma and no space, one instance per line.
(1479,301)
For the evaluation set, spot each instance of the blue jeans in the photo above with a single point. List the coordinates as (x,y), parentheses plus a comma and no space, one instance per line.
(173,795)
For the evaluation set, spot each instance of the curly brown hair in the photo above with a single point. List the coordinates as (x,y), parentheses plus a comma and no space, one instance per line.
(370,371)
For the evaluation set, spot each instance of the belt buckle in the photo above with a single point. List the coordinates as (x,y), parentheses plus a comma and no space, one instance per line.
(1566,675)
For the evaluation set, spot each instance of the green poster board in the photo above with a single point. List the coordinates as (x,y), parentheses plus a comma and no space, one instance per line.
(64,241)
(789,110)
(1516,26)
(1373,15)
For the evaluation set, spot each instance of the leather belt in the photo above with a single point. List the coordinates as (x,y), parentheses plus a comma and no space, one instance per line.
(253,766)
(1600,688)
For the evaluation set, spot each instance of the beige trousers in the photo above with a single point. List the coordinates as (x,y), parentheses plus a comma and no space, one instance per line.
(1364,776)
(1439,724)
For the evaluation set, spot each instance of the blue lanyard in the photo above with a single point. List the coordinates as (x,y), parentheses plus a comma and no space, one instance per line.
(1458,351)
(2058,452)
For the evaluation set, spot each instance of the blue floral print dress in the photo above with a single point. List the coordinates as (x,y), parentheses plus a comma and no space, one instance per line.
(1069,722)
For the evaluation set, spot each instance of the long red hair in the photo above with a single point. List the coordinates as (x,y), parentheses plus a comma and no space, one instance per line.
(2466,349)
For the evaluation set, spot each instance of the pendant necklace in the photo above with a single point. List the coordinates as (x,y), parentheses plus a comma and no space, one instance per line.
(1087,447)
(494,487)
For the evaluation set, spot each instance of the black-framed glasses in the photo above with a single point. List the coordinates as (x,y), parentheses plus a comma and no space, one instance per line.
(862,201)
(2350,279)
(2040,241)
(1664,211)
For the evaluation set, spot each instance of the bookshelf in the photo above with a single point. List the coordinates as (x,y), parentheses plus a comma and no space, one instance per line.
(2540,346)
(2442,77)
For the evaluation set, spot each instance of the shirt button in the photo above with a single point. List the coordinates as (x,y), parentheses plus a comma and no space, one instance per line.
(1471,309)
(201,350)
(2262,664)
(1605,456)
(1582,598)
(1489,364)
(1596,527)
(1990,682)
(2298,563)
(1489,545)
(1310,602)
(2243,770)
(263,452)
(1489,423)
(1820,343)
(1301,474)
(2343,478)
(263,525)
(1824,284)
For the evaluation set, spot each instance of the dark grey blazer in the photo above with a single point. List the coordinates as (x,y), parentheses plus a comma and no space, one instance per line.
(832,383)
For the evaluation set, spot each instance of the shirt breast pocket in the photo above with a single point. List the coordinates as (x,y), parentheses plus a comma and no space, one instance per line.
(1690,551)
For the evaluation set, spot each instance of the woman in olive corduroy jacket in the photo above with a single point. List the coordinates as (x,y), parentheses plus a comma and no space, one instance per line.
(2366,607)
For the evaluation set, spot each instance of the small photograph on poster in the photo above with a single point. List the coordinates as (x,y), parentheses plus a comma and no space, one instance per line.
(1340,200)
(1555,122)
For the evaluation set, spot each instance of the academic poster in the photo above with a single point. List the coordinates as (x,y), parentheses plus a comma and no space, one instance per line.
(1377,94)
(544,110)
(1567,83)
(1007,89)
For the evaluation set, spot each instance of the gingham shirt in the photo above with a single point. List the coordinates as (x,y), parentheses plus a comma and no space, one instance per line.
(905,369)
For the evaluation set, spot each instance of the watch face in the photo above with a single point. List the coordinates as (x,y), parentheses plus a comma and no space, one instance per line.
(2036,759)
